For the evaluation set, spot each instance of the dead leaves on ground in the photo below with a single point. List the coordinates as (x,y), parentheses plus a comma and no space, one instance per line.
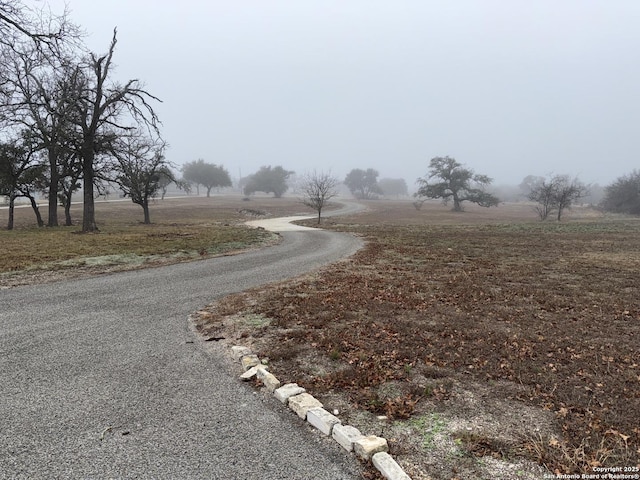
(528,305)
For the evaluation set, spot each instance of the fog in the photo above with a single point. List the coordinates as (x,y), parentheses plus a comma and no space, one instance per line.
(508,88)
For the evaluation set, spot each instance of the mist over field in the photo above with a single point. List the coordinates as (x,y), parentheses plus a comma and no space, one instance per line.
(507,88)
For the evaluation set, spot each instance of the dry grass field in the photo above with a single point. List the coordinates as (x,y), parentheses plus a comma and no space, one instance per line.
(482,344)
(183,229)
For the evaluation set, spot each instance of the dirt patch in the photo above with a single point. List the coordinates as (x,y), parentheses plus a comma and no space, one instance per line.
(493,349)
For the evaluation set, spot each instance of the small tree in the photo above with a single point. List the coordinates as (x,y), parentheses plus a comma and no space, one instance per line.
(71,175)
(140,167)
(455,183)
(542,191)
(318,189)
(623,195)
(363,184)
(268,180)
(567,193)
(555,195)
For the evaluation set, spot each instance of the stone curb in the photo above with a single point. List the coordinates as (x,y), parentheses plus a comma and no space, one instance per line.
(369,448)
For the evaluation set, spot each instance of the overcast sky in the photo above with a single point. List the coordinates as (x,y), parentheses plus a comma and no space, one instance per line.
(507,87)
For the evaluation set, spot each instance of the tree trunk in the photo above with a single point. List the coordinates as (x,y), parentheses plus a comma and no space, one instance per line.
(12,206)
(36,210)
(53,189)
(319,210)
(88,210)
(457,206)
(145,209)
(208,192)
(67,212)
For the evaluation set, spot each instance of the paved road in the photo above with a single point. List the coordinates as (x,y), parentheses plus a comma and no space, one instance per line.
(99,378)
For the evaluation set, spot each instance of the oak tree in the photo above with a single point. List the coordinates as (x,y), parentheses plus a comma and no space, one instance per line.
(449,180)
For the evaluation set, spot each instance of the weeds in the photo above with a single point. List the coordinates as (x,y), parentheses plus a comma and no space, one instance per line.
(428,427)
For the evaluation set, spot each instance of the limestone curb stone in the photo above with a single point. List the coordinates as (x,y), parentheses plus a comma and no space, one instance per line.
(239,352)
(302,403)
(370,448)
(249,361)
(288,390)
(345,435)
(388,467)
(252,372)
(367,447)
(269,380)
(322,420)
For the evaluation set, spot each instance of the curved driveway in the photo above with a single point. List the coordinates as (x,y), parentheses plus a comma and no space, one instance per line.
(101,378)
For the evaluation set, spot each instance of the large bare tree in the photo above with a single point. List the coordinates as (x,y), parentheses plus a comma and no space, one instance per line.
(103,109)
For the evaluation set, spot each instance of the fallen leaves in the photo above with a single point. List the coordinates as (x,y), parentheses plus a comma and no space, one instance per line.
(527,305)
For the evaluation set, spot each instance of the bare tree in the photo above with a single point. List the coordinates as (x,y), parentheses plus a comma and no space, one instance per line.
(318,188)
(555,194)
(20,173)
(100,115)
(18,22)
(567,192)
(542,191)
(139,169)
(43,103)
(71,173)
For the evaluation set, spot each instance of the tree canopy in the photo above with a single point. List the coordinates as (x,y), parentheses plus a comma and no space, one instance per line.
(623,195)
(363,184)
(209,175)
(455,183)
(393,186)
(268,180)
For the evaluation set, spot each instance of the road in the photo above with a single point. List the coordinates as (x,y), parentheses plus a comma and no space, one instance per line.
(103,378)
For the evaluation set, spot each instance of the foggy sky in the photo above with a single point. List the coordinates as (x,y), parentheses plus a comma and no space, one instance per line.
(507,87)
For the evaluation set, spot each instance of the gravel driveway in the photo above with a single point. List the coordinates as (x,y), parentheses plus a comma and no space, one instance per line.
(102,378)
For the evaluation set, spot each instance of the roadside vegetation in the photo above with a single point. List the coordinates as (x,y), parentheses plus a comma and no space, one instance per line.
(184,229)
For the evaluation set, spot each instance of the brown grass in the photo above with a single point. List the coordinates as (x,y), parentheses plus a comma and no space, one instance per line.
(438,301)
(183,229)
(481,335)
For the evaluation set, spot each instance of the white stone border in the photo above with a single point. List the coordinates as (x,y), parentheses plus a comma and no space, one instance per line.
(369,448)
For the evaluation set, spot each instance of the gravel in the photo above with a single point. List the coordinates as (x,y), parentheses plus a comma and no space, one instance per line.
(103,378)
